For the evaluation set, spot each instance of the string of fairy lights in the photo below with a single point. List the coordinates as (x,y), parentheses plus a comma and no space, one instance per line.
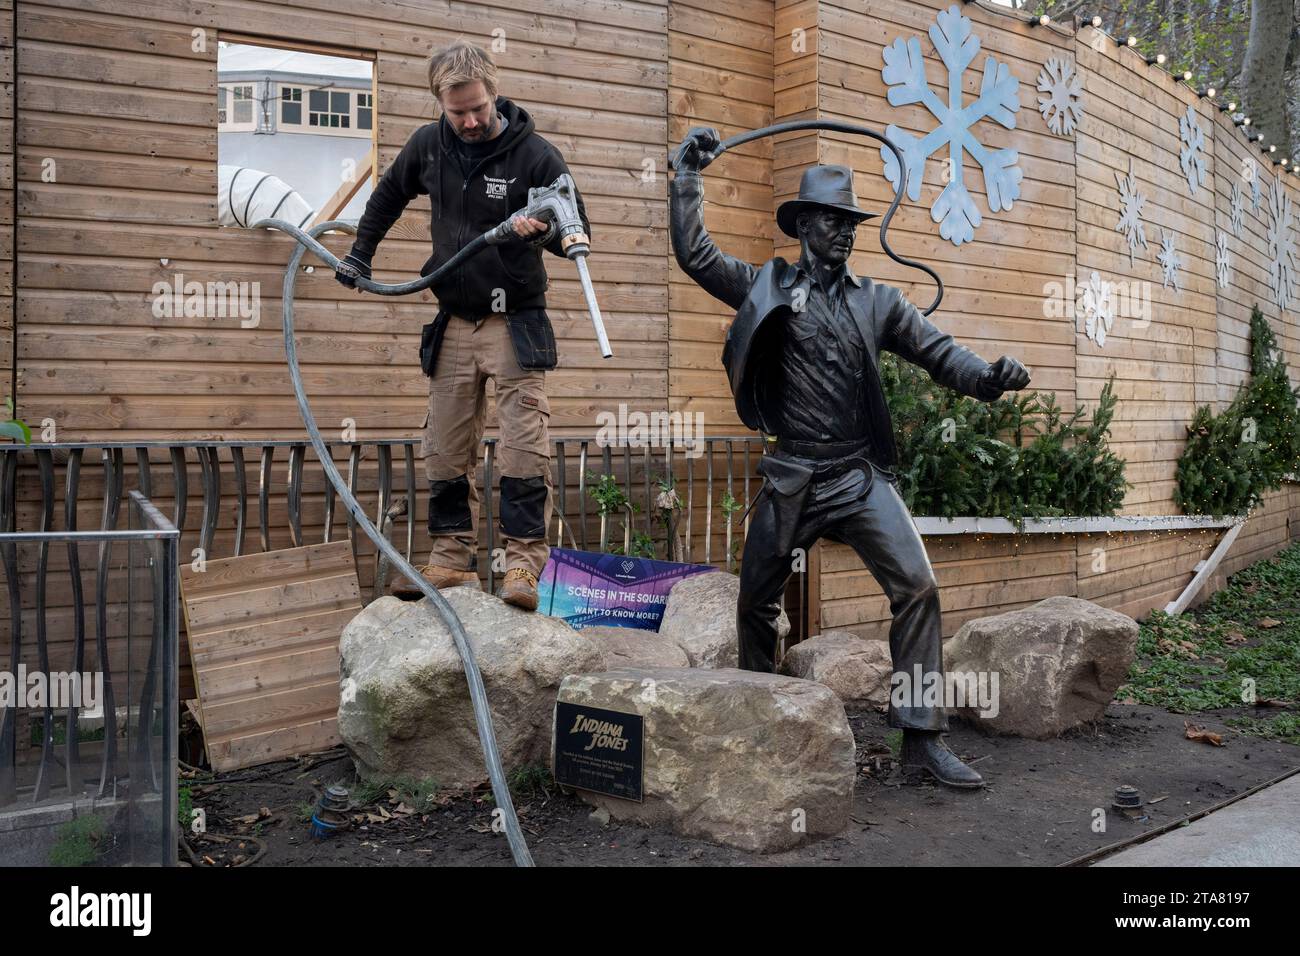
(1242,121)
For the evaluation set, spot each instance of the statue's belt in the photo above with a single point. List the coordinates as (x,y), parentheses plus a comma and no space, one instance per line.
(789,477)
(811,460)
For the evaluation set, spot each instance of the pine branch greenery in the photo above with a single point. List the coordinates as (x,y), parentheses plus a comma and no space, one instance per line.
(1018,457)
(1234,456)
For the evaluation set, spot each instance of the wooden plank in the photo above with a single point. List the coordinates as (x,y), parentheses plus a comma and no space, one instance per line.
(263,633)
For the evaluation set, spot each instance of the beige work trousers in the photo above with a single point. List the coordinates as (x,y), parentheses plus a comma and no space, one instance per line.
(471,353)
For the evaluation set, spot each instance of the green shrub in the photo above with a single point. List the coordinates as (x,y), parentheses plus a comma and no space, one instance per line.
(1017,457)
(1234,456)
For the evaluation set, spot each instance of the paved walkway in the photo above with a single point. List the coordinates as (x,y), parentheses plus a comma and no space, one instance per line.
(1262,830)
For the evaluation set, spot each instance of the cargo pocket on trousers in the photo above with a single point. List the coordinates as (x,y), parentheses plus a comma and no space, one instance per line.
(525,445)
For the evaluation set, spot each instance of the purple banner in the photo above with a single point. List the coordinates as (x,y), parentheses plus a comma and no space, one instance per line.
(587,589)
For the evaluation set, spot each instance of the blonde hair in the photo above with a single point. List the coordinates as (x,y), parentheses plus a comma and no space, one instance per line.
(462,62)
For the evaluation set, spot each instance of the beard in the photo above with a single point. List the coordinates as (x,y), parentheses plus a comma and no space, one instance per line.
(483,132)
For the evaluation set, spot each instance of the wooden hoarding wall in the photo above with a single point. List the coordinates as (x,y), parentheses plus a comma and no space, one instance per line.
(120,96)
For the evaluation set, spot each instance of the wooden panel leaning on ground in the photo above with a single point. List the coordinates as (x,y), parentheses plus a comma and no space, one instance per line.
(264,640)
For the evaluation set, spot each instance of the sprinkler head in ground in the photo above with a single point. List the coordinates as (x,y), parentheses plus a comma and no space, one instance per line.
(331,814)
(1128,801)
(1127,798)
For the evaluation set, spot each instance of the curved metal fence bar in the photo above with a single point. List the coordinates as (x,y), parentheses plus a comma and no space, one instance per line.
(8,552)
(328,531)
(263,497)
(45,463)
(144,476)
(354,466)
(241,494)
(383,520)
(180,483)
(408,457)
(112,458)
(210,470)
(74,776)
(297,456)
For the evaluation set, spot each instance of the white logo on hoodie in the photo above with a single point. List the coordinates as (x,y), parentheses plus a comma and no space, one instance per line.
(496,188)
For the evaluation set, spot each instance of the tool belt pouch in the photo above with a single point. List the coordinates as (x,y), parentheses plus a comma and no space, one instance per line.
(431,341)
(533,339)
(789,482)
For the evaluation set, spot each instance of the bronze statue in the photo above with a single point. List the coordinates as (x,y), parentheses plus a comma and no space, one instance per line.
(801,357)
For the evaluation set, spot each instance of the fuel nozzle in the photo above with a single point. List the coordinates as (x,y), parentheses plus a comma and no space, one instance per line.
(558,204)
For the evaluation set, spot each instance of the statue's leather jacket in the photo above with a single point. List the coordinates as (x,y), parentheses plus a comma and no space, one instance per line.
(765,294)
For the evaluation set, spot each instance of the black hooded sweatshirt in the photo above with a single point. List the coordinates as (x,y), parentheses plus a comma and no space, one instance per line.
(465,207)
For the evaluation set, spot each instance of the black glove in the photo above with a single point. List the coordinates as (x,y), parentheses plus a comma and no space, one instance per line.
(697,150)
(352,267)
(1004,375)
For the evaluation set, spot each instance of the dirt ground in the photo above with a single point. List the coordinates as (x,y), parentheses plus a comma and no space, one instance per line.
(1037,809)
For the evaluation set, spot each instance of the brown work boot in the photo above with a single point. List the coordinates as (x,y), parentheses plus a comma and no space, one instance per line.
(520,589)
(437,575)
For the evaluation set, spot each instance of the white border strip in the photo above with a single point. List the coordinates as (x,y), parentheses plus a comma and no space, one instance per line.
(930,525)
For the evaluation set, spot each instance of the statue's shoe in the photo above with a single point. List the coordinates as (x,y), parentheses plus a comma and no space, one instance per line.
(925,751)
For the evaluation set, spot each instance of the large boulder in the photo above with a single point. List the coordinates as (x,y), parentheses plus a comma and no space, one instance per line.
(1058,664)
(700,615)
(762,762)
(635,647)
(405,708)
(857,669)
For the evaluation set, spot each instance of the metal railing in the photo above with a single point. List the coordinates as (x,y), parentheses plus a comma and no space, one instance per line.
(133,718)
(717,477)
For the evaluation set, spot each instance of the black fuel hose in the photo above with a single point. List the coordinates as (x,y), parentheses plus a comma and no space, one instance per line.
(853,128)
(477,693)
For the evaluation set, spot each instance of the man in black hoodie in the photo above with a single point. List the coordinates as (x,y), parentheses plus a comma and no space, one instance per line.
(477,164)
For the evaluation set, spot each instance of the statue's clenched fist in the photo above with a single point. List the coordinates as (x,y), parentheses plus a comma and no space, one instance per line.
(697,150)
(1005,375)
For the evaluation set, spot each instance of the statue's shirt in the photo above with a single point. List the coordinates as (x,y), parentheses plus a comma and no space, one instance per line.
(813,363)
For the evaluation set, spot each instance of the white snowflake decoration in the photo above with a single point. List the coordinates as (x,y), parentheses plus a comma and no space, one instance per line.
(1237,208)
(1192,155)
(1130,220)
(1255,194)
(999,99)
(1170,260)
(1222,259)
(1062,107)
(1281,246)
(1098,308)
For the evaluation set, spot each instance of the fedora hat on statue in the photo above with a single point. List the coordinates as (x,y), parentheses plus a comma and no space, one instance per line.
(822,187)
